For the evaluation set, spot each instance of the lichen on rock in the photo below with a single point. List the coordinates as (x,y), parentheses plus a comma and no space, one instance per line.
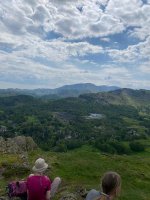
(17,144)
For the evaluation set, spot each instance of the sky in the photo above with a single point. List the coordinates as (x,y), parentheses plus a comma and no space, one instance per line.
(50,43)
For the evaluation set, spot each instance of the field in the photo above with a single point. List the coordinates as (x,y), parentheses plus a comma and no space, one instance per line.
(84,167)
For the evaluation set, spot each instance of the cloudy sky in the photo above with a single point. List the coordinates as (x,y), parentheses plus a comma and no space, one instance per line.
(49,43)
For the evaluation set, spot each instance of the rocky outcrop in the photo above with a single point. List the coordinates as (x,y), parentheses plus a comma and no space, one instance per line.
(17,144)
(78,194)
(70,196)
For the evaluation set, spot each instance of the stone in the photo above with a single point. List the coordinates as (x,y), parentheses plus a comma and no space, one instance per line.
(18,144)
(69,196)
(2,145)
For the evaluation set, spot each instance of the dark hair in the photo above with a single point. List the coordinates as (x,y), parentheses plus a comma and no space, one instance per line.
(110,182)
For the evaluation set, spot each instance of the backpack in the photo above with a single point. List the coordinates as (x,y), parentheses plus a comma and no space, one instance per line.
(17,189)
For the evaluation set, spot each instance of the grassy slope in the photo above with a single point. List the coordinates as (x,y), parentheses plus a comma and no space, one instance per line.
(85,166)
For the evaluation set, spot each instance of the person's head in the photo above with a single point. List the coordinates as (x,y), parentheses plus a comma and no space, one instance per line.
(111,184)
(40,166)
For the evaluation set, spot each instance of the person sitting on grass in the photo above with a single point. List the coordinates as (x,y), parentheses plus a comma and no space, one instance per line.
(39,186)
(111,186)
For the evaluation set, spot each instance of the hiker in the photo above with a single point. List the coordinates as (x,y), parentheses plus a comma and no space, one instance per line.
(110,184)
(39,186)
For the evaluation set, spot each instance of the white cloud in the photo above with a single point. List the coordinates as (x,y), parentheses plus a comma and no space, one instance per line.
(32,2)
(145,68)
(107,25)
(75,19)
(127,11)
(105,39)
(53,50)
(66,19)
(29,50)
(132,53)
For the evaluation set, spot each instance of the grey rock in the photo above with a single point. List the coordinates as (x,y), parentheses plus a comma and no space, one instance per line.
(69,196)
(2,145)
(17,144)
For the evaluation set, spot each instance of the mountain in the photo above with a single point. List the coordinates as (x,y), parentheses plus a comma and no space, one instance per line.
(87,87)
(123,96)
(78,89)
(64,91)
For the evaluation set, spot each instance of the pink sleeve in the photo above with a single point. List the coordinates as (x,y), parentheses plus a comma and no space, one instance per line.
(49,183)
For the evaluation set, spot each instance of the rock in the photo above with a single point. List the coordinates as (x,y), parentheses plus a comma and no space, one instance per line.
(24,158)
(2,145)
(17,144)
(3,198)
(70,196)
(30,144)
(81,191)
(78,195)
(14,170)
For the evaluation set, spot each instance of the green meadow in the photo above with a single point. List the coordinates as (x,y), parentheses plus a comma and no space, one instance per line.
(84,167)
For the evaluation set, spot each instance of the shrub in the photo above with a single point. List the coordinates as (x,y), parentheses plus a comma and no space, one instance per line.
(107,148)
(137,146)
(121,148)
(61,147)
(72,144)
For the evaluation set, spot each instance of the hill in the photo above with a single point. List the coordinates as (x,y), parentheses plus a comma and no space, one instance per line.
(64,91)
(104,120)
(77,89)
(123,96)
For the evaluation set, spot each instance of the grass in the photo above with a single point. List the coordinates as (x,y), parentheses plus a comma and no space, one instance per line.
(130,121)
(85,166)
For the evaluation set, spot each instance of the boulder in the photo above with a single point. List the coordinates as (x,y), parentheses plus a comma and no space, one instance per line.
(30,144)
(17,144)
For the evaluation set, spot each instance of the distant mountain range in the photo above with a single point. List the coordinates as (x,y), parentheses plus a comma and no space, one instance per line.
(61,92)
(88,92)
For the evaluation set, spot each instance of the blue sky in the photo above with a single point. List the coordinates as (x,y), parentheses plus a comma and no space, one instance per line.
(50,43)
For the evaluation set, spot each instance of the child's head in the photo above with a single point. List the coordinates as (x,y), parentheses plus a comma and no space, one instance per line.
(111,183)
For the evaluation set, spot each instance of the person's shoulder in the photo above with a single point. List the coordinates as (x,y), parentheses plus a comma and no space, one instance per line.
(92,194)
(94,191)
(46,178)
(30,177)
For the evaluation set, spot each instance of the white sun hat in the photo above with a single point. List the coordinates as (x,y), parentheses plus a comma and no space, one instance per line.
(40,165)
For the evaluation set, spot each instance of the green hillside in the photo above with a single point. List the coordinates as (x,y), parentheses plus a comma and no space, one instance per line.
(121,97)
(102,120)
(83,168)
